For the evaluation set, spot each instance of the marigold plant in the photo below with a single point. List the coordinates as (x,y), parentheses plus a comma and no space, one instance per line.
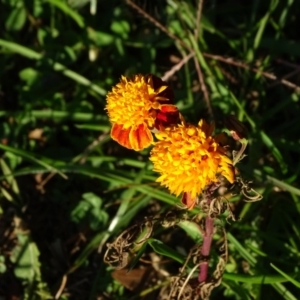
(191,160)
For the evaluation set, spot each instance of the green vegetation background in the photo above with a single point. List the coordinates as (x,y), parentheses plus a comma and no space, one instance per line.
(67,188)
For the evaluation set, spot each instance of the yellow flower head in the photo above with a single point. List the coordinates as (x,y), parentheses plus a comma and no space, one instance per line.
(137,105)
(189,158)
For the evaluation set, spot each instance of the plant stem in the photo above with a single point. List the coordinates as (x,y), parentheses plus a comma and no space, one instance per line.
(205,251)
(207,237)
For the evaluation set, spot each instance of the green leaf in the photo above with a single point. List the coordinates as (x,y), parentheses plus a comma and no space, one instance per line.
(89,209)
(6,194)
(160,248)
(25,257)
(242,250)
(256,279)
(64,7)
(16,20)
(138,255)
(30,156)
(14,47)
(275,151)
(279,183)
(98,127)
(2,264)
(29,75)
(120,27)
(286,276)
(193,230)
(100,38)
(10,179)
(89,248)
(56,115)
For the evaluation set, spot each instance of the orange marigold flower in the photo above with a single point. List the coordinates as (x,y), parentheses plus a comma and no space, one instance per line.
(137,105)
(189,158)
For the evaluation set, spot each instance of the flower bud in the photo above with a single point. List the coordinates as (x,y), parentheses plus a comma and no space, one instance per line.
(237,129)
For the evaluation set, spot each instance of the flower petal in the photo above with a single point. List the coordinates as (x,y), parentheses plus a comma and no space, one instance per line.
(188,201)
(166,116)
(169,108)
(140,138)
(121,135)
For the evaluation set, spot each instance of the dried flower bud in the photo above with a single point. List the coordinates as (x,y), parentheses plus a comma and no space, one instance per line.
(237,129)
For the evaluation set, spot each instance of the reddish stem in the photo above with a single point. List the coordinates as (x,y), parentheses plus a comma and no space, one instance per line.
(207,236)
(205,251)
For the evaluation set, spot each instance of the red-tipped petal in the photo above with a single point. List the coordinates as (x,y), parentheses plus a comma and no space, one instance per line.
(188,201)
(166,116)
(165,108)
(140,138)
(121,135)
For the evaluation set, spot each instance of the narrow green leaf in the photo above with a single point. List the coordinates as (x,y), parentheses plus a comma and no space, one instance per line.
(56,66)
(17,48)
(275,151)
(138,255)
(279,183)
(6,194)
(11,180)
(284,292)
(256,279)
(286,276)
(241,249)
(160,248)
(29,156)
(193,230)
(56,115)
(64,7)
(91,246)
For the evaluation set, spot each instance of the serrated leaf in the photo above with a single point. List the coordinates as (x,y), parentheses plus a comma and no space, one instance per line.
(25,256)
(89,209)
